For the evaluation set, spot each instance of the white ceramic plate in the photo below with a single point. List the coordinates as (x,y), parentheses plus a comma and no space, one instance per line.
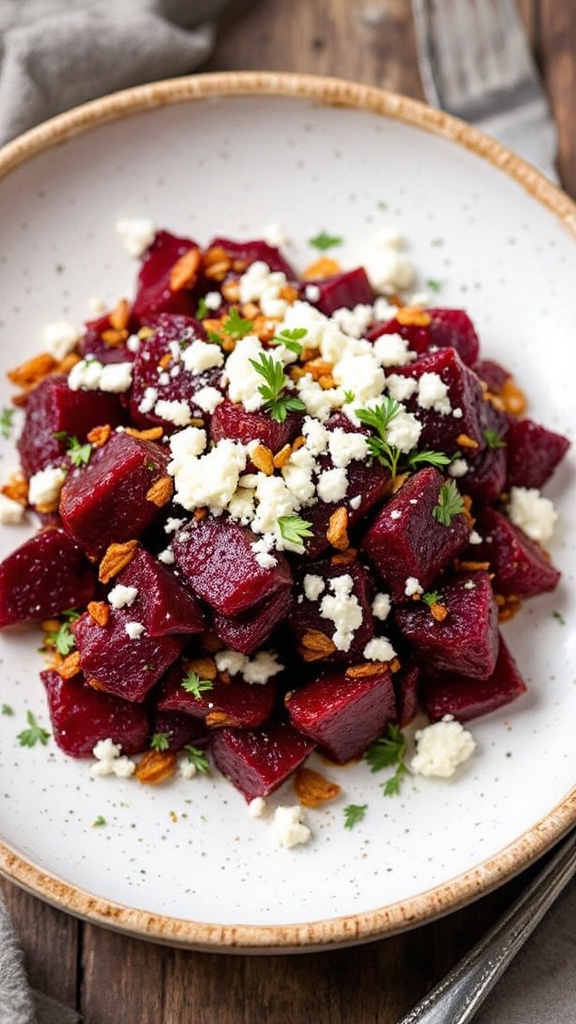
(228,154)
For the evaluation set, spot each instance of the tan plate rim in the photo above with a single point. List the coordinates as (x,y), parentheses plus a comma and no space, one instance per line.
(452,895)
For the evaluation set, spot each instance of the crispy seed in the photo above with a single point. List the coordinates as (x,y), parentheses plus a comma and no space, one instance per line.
(250,310)
(413,316)
(319,367)
(438,611)
(120,315)
(263,459)
(184,273)
(366,669)
(218,271)
(264,327)
(218,719)
(326,382)
(282,456)
(337,532)
(316,645)
(288,293)
(151,434)
(513,399)
(216,254)
(16,488)
(99,611)
(33,370)
(468,565)
(70,665)
(98,436)
(313,789)
(161,491)
(156,766)
(116,557)
(321,268)
(231,290)
(165,361)
(205,667)
(465,441)
(344,557)
(114,337)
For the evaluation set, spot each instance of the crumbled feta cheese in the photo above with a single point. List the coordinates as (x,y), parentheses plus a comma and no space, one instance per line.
(262,285)
(412,586)
(11,512)
(110,760)
(148,400)
(188,443)
(134,630)
(312,292)
(116,377)
(354,321)
(404,431)
(381,606)
(360,374)
(44,486)
(388,270)
(242,378)
(201,355)
(136,233)
(356,501)
(379,649)
(257,807)
(317,437)
(401,388)
(92,375)
(206,480)
(313,586)
(346,447)
(174,411)
(275,235)
(262,549)
(187,769)
(433,394)
(332,485)
(274,499)
(318,401)
(344,610)
(257,670)
(441,748)
(289,827)
(532,513)
(457,468)
(59,337)
(121,596)
(166,556)
(213,300)
(208,399)
(393,350)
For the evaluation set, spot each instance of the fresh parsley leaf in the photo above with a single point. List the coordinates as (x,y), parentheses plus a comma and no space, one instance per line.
(194,684)
(99,821)
(431,458)
(349,397)
(388,752)
(6,421)
(235,326)
(277,400)
(7,709)
(432,597)
(294,529)
(379,419)
(323,241)
(202,309)
(493,439)
(80,454)
(450,503)
(433,284)
(354,813)
(160,741)
(198,758)
(291,339)
(559,618)
(34,734)
(62,639)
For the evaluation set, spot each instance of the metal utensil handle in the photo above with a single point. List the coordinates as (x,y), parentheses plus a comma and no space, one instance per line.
(458,997)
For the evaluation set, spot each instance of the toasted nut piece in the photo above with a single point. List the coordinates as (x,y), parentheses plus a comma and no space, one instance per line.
(263,459)
(508,605)
(337,532)
(33,370)
(199,513)
(366,669)
(218,719)
(217,271)
(66,364)
(150,434)
(145,332)
(264,327)
(161,491)
(318,367)
(467,565)
(250,310)
(316,645)
(465,441)
(282,456)
(99,611)
(312,789)
(156,766)
(512,398)
(184,273)
(205,667)
(98,436)
(120,315)
(438,611)
(216,254)
(344,557)
(323,267)
(231,290)
(288,293)
(413,316)
(115,558)
(327,382)
(16,488)
(395,483)
(211,642)
(70,665)
(97,685)
(165,361)
(114,337)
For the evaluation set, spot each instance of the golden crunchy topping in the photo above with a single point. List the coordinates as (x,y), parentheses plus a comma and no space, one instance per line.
(184,273)
(438,611)
(321,268)
(205,667)
(120,315)
(99,611)
(161,491)
(98,436)
(32,371)
(508,606)
(313,789)
(263,459)
(513,398)
(150,434)
(465,441)
(165,360)
(231,290)
(156,766)
(413,316)
(116,557)
(69,666)
(344,557)
(217,263)
(337,532)
(366,669)
(316,645)
(468,565)
(218,719)
(16,488)
(113,337)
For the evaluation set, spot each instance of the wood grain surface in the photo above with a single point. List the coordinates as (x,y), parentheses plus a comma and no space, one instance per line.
(112,979)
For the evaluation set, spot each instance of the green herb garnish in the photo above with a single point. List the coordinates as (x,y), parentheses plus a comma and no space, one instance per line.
(6,421)
(291,339)
(559,618)
(160,741)
(354,813)
(433,284)
(7,709)
(349,397)
(194,684)
(79,454)
(431,458)
(450,503)
(325,241)
(277,400)
(294,529)
(62,639)
(235,326)
(202,309)
(388,752)
(34,734)
(432,597)
(99,821)
(493,439)
(198,758)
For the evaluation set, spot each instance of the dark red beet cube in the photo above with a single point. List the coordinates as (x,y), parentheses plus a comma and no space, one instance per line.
(533,453)
(343,715)
(465,698)
(53,408)
(45,576)
(307,613)
(179,729)
(93,341)
(81,716)
(154,293)
(406,540)
(163,605)
(236,423)
(448,328)
(485,477)
(250,629)
(493,374)
(106,501)
(242,254)
(117,662)
(257,761)
(406,684)
(466,640)
(234,703)
(520,566)
(342,291)
(215,558)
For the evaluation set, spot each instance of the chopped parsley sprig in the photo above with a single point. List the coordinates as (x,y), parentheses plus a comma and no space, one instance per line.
(235,326)
(294,529)
(353,814)
(6,421)
(62,639)
(389,752)
(278,400)
(198,758)
(194,684)
(450,503)
(379,419)
(79,454)
(291,338)
(33,734)
(323,240)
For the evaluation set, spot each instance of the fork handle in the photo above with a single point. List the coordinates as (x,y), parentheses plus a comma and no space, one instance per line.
(459,995)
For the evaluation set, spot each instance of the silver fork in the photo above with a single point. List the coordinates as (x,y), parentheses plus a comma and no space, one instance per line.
(475,63)
(458,997)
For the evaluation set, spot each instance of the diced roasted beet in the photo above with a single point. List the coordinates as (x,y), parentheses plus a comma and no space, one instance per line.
(242,254)
(485,477)
(117,662)
(106,500)
(52,408)
(114,350)
(406,541)
(493,374)
(163,605)
(48,574)
(448,328)
(308,624)
(342,291)
(445,432)
(466,640)
(465,698)
(257,761)
(81,716)
(160,375)
(178,728)
(406,685)
(533,453)
(216,559)
(155,294)
(250,629)
(234,703)
(343,714)
(233,421)
(520,566)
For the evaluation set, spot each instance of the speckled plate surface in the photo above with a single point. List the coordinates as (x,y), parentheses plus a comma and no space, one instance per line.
(228,154)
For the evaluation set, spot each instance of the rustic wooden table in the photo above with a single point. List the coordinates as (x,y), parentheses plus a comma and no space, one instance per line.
(112,979)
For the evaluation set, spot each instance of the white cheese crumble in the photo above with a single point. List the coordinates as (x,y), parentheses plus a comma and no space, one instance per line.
(289,826)
(381,606)
(110,760)
(187,769)
(457,468)
(332,484)
(344,610)
(44,486)
(136,234)
(257,807)
(433,394)
(121,596)
(174,411)
(91,375)
(202,355)
(11,512)
(210,479)
(393,350)
(242,378)
(134,630)
(379,649)
(257,670)
(532,513)
(441,748)
(208,399)
(313,586)
(59,337)
(412,586)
